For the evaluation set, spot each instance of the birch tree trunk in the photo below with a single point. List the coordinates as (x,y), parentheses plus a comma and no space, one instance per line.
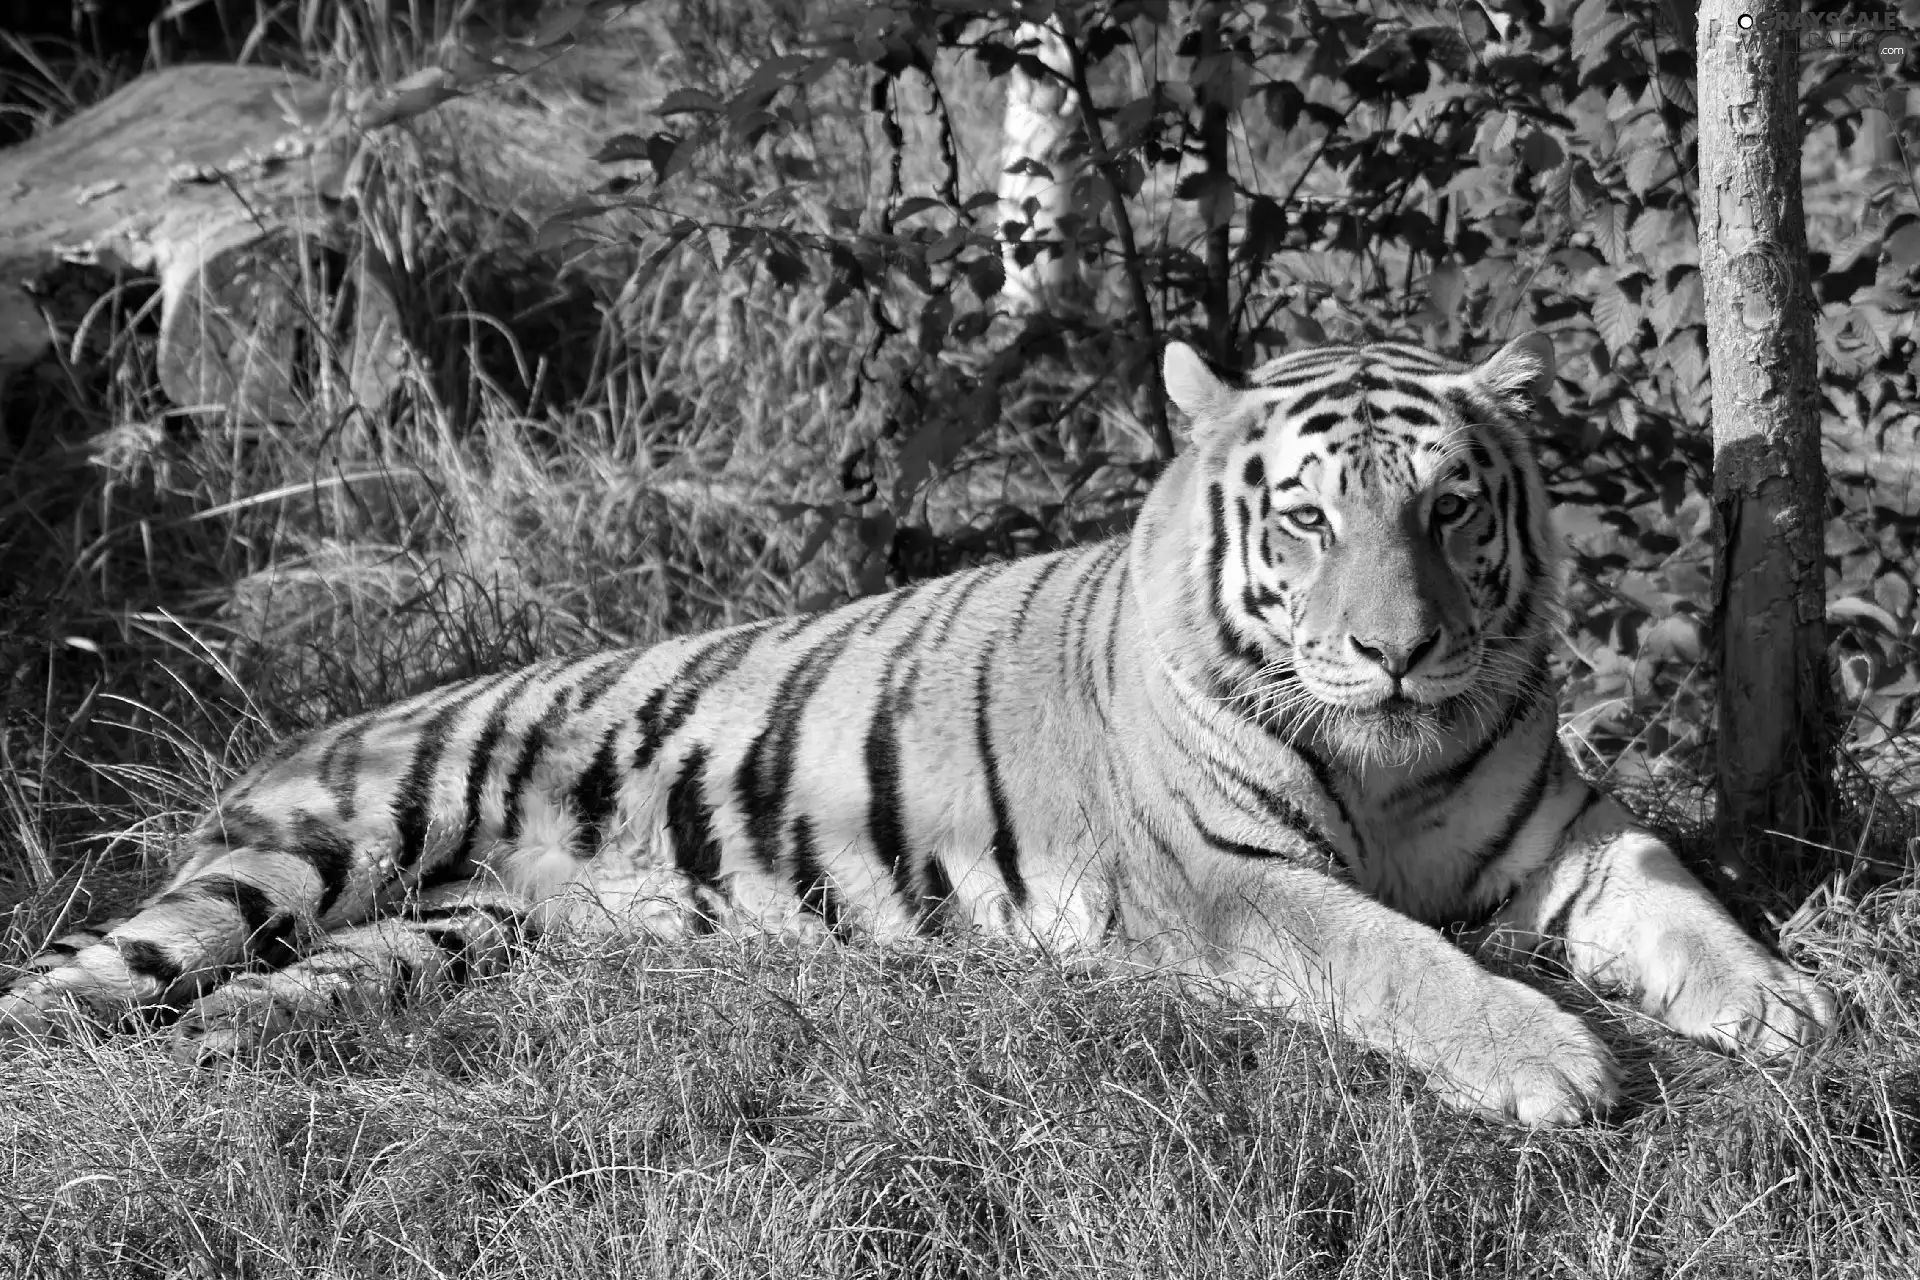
(1038,123)
(1769,486)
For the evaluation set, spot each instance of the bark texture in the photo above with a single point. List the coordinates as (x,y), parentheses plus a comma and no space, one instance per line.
(1769,483)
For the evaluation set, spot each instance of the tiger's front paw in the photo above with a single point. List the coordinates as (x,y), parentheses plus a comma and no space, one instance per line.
(1751,1003)
(1522,1057)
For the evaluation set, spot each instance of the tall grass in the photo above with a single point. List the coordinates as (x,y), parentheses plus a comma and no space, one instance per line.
(597,461)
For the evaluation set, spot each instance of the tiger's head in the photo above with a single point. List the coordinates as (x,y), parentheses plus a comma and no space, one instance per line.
(1372,537)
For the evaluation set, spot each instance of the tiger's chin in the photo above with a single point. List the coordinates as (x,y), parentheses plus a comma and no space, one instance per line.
(1391,733)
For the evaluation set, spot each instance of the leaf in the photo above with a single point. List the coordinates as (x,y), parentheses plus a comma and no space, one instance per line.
(949,244)
(1894,593)
(1283,102)
(1616,317)
(1266,230)
(1903,246)
(1679,637)
(1683,306)
(682,101)
(986,276)
(1622,106)
(916,204)
(1624,417)
(1649,166)
(1855,609)
(1607,224)
(1596,43)
(1677,91)
(1575,260)
(1447,288)
(1540,152)
(1662,237)
(786,268)
(935,319)
(622,146)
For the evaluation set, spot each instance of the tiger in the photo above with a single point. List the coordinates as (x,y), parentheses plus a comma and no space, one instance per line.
(1281,738)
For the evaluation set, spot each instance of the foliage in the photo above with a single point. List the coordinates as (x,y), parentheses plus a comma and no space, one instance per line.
(1449,175)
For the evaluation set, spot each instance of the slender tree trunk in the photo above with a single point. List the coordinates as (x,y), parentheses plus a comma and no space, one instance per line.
(1769,487)
(1038,123)
(1214,138)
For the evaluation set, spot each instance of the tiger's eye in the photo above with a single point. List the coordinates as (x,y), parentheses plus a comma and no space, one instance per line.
(1449,506)
(1305,517)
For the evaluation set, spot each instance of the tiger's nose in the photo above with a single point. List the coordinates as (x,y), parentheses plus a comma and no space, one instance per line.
(1392,657)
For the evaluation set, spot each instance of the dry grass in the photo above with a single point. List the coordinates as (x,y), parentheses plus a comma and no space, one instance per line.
(178,593)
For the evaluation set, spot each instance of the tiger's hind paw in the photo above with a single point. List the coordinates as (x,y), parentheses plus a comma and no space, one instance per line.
(232,1021)
(47,1017)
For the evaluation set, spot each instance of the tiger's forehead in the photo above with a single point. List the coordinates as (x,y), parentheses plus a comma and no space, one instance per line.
(1376,416)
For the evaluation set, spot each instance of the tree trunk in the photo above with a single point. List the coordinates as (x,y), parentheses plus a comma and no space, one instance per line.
(1769,486)
(1215,135)
(1038,123)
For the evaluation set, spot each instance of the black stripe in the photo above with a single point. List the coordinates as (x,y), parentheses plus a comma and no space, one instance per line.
(327,851)
(1022,610)
(660,719)
(1319,424)
(237,826)
(594,793)
(936,890)
(1077,614)
(252,902)
(1310,399)
(591,691)
(339,770)
(531,748)
(540,736)
(1323,778)
(652,735)
(810,880)
(1250,595)
(1112,646)
(696,850)
(1006,850)
(147,960)
(413,803)
(1228,639)
(1206,765)
(766,771)
(1522,810)
(886,805)
(459,965)
(480,759)
(973,580)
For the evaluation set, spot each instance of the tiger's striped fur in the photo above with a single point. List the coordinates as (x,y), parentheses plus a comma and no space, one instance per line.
(1296,719)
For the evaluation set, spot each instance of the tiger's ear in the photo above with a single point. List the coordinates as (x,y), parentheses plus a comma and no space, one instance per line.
(1193,386)
(1520,373)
